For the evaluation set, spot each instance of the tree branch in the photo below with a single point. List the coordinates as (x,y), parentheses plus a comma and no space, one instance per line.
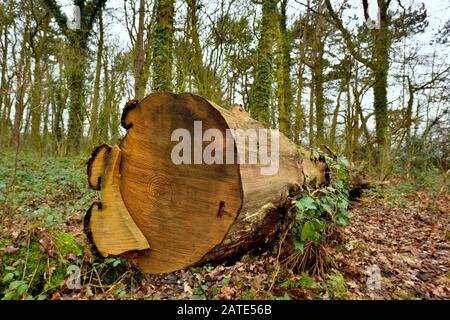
(60,17)
(348,39)
(426,85)
(93,9)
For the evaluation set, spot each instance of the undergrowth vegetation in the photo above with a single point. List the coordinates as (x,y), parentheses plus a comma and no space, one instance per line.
(319,211)
(44,254)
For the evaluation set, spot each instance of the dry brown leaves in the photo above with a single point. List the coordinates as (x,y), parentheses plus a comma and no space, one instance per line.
(409,245)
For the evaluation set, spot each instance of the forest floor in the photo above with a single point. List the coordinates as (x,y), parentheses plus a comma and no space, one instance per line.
(396,246)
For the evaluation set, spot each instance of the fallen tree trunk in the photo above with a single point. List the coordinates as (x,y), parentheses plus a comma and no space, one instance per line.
(190,213)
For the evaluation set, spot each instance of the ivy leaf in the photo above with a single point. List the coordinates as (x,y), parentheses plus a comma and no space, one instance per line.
(299,244)
(8,277)
(22,288)
(339,184)
(224,281)
(306,203)
(344,161)
(318,225)
(341,219)
(343,204)
(308,231)
(326,208)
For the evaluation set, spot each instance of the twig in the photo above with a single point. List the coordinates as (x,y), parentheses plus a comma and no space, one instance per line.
(98,277)
(201,288)
(26,259)
(277,268)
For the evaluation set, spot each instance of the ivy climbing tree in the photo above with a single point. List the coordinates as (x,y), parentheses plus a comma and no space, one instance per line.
(262,86)
(163,46)
(78,39)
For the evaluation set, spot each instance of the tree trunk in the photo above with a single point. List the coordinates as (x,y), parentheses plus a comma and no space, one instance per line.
(78,45)
(36,105)
(299,112)
(311,112)
(22,76)
(262,85)
(163,46)
(76,105)
(193,213)
(284,91)
(139,55)
(318,76)
(96,98)
(382,44)
(334,121)
(3,84)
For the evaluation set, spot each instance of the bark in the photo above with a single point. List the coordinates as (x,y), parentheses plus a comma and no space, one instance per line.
(381,55)
(299,112)
(36,89)
(283,74)
(36,104)
(318,75)
(262,86)
(311,112)
(3,82)
(22,77)
(139,86)
(76,112)
(335,117)
(236,206)
(61,96)
(96,99)
(163,46)
(103,121)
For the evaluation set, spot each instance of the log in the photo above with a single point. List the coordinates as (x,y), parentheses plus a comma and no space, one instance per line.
(191,213)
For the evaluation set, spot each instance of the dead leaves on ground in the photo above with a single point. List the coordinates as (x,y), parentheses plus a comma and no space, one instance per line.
(408,243)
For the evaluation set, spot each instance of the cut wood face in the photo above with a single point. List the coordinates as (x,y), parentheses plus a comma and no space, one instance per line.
(113,230)
(183,210)
(96,165)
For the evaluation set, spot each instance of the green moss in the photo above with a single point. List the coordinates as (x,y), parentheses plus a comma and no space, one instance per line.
(35,268)
(23,264)
(58,276)
(26,257)
(66,243)
(336,286)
